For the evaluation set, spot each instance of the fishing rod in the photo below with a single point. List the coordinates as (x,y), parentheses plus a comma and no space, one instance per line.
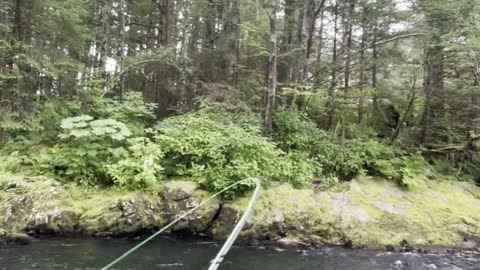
(215,263)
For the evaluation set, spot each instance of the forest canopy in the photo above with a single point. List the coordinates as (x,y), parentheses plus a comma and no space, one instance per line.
(311,92)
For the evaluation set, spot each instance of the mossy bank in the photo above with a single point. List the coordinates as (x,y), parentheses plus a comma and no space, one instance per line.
(365,212)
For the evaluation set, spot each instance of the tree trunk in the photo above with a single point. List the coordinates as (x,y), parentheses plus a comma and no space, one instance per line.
(434,91)
(348,41)
(320,38)
(193,44)
(163,6)
(406,113)
(123,47)
(375,59)
(210,26)
(285,66)
(333,82)
(303,41)
(18,29)
(105,42)
(235,43)
(310,19)
(272,70)
(363,44)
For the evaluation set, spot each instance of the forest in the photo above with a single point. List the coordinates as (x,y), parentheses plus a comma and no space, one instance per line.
(128,94)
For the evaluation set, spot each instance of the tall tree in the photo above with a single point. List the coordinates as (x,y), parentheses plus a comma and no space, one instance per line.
(272,70)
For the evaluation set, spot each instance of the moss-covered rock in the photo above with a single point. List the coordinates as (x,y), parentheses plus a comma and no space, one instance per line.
(115,214)
(43,206)
(366,212)
(38,204)
(177,198)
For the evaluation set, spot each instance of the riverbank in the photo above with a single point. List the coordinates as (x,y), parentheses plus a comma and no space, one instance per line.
(366,212)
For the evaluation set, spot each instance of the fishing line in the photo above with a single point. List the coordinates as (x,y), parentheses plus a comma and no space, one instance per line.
(215,263)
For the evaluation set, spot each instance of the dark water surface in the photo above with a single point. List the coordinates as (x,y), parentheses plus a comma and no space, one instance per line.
(175,254)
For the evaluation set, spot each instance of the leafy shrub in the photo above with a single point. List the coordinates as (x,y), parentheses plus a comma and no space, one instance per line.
(132,111)
(221,153)
(13,162)
(294,131)
(362,157)
(298,169)
(140,168)
(87,147)
(42,128)
(412,168)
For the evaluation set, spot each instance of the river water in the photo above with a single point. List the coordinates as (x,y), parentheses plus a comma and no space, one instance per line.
(180,254)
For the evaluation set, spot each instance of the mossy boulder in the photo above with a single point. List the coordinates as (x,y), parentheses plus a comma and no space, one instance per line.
(281,212)
(44,206)
(366,212)
(177,198)
(38,204)
(116,214)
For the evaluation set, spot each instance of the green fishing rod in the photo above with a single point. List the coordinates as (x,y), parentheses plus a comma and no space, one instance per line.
(215,263)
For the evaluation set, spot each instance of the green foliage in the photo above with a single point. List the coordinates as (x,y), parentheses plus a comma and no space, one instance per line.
(132,110)
(298,169)
(412,168)
(140,168)
(86,148)
(219,154)
(13,162)
(329,159)
(294,131)
(85,127)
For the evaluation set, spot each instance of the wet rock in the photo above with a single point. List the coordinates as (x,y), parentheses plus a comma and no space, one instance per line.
(292,242)
(177,198)
(348,244)
(398,265)
(18,238)
(390,248)
(405,247)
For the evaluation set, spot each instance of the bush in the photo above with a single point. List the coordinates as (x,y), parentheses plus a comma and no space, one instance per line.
(295,132)
(298,169)
(87,146)
(132,111)
(362,157)
(221,153)
(140,168)
(13,162)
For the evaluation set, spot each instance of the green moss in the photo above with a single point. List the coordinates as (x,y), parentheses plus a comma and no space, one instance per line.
(368,211)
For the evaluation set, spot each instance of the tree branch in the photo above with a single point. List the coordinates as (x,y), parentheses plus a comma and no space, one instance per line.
(373,45)
(454,148)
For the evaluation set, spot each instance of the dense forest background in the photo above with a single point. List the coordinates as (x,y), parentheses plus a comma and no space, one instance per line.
(129,92)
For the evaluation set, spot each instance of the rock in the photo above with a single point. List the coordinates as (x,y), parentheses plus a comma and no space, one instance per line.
(3,235)
(348,244)
(119,214)
(368,212)
(281,212)
(10,185)
(405,247)
(291,243)
(390,248)
(19,238)
(430,266)
(177,198)
(178,190)
(398,265)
